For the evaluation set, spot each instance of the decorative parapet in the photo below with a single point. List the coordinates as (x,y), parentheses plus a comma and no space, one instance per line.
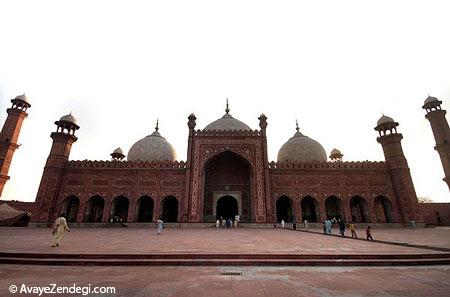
(126,164)
(329,165)
(227,133)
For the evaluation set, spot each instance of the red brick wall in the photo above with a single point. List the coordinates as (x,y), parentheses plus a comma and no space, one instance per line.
(432,212)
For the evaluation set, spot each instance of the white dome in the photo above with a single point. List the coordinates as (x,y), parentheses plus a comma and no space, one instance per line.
(385,119)
(118,151)
(430,99)
(22,98)
(227,122)
(301,148)
(335,152)
(69,118)
(153,147)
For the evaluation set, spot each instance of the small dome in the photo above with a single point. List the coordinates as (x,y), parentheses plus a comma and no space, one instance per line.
(69,118)
(431,99)
(22,98)
(118,151)
(301,148)
(385,119)
(153,147)
(335,152)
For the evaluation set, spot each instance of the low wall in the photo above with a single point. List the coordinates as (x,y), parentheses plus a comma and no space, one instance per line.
(436,214)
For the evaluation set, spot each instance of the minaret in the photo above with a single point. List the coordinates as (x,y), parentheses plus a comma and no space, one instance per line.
(117,154)
(397,165)
(10,134)
(336,155)
(441,132)
(63,138)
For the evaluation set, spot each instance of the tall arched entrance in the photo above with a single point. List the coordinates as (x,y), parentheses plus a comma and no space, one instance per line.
(227,207)
(94,210)
(145,209)
(119,209)
(170,209)
(227,175)
(333,208)
(358,207)
(70,208)
(284,209)
(309,209)
(383,210)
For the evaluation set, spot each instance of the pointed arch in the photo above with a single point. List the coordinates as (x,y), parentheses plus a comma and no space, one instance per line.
(70,207)
(94,209)
(169,209)
(285,209)
(310,209)
(144,206)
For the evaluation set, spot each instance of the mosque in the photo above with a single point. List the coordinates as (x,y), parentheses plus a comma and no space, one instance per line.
(226,173)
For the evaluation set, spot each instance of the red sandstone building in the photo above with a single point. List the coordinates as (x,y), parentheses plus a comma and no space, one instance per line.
(227,173)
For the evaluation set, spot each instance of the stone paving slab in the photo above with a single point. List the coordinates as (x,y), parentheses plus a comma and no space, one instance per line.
(135,241)
(254,281)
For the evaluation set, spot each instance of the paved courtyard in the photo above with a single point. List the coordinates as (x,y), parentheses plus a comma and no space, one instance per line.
(254,281)
(210,281)
(211,240)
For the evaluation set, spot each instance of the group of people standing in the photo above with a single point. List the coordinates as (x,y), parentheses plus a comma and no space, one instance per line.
(228,223)
(329,223)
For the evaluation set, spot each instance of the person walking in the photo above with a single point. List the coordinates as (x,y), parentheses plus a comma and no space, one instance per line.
(329,225)
(294,223)
(59,227)
(369,233)
(352,227)
(159,226)
(307,226)
(341,227)
(282,223)
(217,223)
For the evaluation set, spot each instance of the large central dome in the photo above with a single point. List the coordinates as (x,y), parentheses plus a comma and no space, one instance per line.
(153,147)
(227,122)
(300,149)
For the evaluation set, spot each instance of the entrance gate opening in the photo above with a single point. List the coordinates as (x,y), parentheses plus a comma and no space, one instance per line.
(227,207)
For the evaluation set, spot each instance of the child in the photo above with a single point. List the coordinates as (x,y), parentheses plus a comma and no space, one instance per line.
(352,229)
(368,233)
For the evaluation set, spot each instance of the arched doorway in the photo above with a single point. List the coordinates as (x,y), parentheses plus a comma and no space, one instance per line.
(94,210)
(70,208)
(145,209)
(309,209)
(119,209)
(383,210)
(170,209)
(333,208)
(227,172)
(358,207)
(227,207)
(284,209)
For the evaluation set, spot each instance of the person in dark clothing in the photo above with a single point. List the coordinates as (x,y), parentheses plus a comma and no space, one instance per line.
(341,227)
(369,233)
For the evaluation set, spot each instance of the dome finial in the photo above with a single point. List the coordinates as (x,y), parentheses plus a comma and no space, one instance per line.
(227,110)
(296,126)
(157,125)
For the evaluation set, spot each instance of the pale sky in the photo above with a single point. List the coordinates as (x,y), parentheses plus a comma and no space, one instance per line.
(336,66)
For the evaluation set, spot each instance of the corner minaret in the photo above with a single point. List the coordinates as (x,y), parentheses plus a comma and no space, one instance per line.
(46,199)
(405,194)
(10,134)
(441,131)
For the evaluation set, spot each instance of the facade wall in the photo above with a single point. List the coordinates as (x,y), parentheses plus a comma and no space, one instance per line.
(343,180)
(436,214)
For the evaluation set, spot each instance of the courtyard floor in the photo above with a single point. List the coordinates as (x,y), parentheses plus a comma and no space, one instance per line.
(211,240)
(208,281)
